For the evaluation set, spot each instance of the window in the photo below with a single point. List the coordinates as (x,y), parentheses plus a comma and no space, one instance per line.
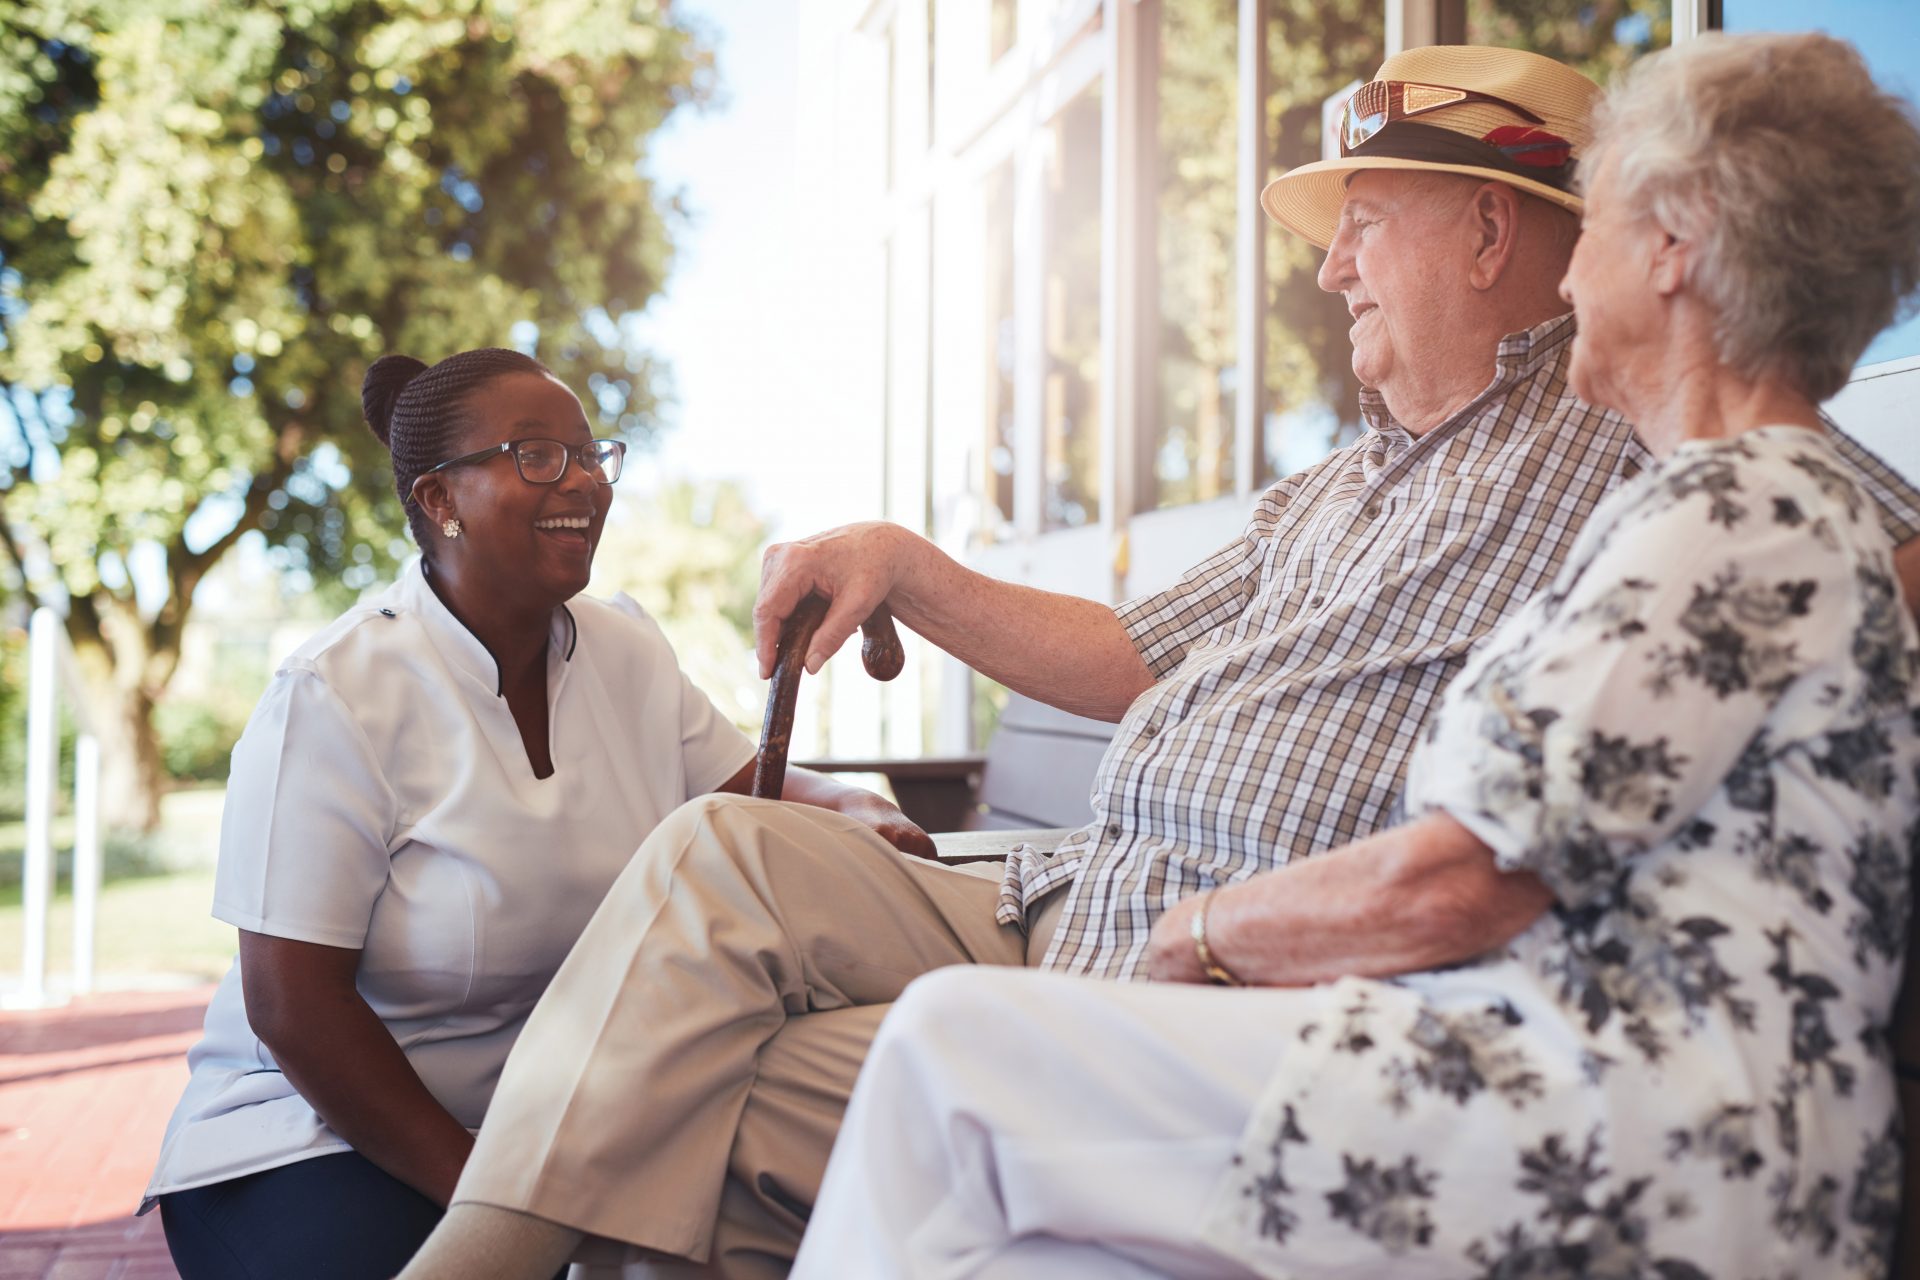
(1070,412)
(1597,36)
(1189,438)
(1309,394)
(997,452)
(1002,27)
(1887,34)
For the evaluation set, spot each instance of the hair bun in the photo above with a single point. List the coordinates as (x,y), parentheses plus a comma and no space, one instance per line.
(380,390)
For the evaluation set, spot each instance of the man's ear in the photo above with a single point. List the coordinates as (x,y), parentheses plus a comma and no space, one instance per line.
(1493,217)
(433,497)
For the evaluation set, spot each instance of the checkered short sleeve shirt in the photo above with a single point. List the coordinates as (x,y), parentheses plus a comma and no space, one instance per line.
(1295,667)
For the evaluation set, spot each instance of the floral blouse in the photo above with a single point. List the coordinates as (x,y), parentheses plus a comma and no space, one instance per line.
(1704,738)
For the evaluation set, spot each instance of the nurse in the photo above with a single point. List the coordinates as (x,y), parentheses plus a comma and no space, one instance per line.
(430,801)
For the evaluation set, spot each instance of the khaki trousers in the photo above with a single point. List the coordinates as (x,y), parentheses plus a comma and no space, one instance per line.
(679,1085)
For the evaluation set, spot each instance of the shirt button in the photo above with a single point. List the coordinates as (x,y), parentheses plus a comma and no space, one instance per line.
(1150,729)
(386,613)
(1113,831)
(1371,510)
(1316,602)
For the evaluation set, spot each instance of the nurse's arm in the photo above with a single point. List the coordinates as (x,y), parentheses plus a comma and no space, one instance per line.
(1417,896)
(804,786)
(304,1006)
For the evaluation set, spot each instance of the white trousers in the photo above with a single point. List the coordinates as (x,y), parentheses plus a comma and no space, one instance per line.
(1020,1124)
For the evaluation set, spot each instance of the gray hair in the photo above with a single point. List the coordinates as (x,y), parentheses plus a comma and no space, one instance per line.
(1796,178)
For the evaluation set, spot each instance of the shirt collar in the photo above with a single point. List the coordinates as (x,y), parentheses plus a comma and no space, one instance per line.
(1519,356)
(460,646)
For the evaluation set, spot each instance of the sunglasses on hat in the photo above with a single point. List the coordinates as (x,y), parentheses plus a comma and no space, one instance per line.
(1379,103)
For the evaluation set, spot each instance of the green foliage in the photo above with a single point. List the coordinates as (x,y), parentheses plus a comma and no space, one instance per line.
(1198,180)
(226,211)
(1599,37)
(197,737)
(690,555)
(1314,49)
(13,721)
(215,214)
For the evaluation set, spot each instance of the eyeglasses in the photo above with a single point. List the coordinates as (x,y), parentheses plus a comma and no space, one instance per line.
(1378,103)
(545,461)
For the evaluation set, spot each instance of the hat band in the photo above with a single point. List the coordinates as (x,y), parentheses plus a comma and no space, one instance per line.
(1404,140)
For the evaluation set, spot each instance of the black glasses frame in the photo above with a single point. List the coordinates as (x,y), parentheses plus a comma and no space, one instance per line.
(614,450)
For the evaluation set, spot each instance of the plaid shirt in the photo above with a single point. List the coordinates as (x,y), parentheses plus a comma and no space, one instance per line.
(1295,667)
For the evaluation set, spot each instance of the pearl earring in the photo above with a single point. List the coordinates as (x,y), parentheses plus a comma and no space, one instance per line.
(450,527)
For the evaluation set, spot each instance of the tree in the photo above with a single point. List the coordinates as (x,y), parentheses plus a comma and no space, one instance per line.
(690,555)
(214,214)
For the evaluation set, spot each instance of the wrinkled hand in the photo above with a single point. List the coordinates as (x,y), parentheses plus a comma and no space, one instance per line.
(853,566)
(1170,953)
(893,826)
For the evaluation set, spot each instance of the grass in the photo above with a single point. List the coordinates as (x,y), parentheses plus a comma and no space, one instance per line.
(153,922)
(149,929)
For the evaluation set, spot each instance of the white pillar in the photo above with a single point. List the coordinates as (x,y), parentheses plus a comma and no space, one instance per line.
(36,877)
(1249,401)
(86,858)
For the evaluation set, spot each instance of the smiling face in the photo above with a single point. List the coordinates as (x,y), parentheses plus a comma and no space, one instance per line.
(1394,260)
(536,540)
(1611,286)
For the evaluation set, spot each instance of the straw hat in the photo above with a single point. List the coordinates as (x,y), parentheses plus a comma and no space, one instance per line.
(1490,140)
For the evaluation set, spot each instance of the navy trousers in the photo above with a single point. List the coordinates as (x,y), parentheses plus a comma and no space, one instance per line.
(337,1217)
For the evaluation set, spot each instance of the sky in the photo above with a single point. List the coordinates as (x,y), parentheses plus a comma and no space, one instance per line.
(726,319)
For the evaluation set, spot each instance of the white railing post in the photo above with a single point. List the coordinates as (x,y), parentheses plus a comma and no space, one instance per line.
(50,665)
(43,737)
(86,858)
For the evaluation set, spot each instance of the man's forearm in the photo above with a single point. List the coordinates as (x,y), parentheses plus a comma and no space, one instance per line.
(1063,650)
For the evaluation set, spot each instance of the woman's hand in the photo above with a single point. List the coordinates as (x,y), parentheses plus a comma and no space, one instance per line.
(804,786)
(1171,955)
(1411,898)
(892,825)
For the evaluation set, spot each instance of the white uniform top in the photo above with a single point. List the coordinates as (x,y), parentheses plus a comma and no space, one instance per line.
(382,799)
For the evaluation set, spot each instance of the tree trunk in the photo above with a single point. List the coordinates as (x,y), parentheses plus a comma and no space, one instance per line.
(131,779)
(125,666)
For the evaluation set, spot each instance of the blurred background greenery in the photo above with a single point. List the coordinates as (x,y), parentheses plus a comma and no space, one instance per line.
(213,216)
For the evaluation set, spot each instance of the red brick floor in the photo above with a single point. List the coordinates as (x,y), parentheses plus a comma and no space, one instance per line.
(84,1096)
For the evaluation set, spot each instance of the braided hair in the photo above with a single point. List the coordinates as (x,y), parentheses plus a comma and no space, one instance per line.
(419,413)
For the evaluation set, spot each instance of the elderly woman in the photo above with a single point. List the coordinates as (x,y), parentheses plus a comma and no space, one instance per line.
(1613,1001)
(430,801)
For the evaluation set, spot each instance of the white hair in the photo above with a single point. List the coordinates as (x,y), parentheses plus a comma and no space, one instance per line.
(1796,179)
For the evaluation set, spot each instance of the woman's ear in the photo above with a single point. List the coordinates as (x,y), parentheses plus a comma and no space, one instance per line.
(1672,257)
(430,492)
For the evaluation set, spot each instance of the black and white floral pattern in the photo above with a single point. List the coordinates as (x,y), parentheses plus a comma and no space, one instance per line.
(1704,738)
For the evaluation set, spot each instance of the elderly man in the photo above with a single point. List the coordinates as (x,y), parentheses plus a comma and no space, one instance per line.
(679,1087)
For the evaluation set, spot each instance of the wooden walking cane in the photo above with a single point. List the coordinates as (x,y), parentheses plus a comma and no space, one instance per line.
(880,650)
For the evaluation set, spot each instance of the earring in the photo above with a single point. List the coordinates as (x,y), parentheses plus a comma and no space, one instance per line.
(450,527)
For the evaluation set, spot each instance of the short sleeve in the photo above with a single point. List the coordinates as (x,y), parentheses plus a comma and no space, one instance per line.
(712,748)
(1211,594)
(712,745)
(1611,710)
(309,816)
(1897,501)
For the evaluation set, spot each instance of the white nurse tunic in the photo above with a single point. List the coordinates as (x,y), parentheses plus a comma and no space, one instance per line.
(382,799)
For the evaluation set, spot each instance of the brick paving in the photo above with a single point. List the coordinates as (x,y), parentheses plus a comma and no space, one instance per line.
(85,1092)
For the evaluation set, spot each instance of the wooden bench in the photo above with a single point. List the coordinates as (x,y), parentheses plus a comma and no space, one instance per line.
(1034,780)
